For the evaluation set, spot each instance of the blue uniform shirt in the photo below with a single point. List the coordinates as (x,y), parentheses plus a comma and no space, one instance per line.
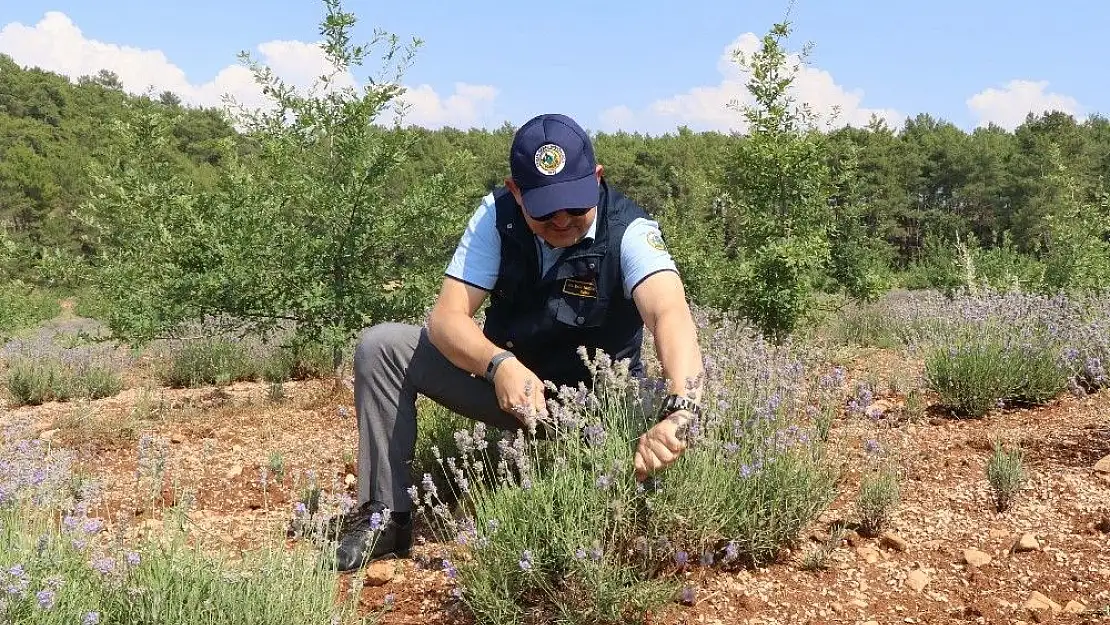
(478,255)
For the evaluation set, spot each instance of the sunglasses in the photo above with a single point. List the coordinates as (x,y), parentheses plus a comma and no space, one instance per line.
(573,212)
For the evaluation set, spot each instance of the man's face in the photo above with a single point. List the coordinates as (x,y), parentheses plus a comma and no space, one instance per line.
(562,229)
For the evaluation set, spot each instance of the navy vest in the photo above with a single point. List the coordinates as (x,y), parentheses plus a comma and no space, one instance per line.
(579,302)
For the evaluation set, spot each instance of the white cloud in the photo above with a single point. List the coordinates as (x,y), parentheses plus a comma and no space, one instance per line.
(1008,107)
(708,107)
(469,106)
(56,44)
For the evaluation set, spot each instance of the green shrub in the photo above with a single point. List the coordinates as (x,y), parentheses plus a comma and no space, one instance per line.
(879,495)
(209,361)
(1006,475)
(34,381)
(866,326)
(23,306)
(298,362)
(985,366)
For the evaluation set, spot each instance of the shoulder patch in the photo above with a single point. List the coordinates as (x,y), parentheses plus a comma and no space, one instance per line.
(655,240)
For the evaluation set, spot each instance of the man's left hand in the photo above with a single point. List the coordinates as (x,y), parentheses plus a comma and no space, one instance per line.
(660,446)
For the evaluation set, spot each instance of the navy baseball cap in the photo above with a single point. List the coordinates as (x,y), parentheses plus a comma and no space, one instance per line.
(553,163)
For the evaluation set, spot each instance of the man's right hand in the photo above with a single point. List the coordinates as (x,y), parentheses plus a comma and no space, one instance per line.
(517,387)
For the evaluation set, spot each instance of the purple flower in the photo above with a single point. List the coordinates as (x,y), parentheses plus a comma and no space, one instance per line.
(132,558)
(104,565)
(91,618)
(688,595)
(526,560)
(681,557)
(595,435)
(45,599)
(872,446)
(580,553)
(731,551)
(375,521)
(450,569)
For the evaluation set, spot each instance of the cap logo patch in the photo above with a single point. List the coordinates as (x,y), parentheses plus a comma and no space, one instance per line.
(550,159)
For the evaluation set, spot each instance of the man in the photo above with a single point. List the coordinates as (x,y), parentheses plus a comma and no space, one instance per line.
(566,261)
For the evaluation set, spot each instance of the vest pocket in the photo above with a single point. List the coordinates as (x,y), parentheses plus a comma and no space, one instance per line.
(579,311)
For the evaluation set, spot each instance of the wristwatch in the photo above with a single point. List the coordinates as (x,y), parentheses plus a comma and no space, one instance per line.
(495,362)
(674,403)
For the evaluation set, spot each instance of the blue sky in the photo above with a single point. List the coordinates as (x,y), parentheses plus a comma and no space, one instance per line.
(646,66)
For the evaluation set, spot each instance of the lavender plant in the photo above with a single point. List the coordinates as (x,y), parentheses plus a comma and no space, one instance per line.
(989,347)
(60,563)
(41,370)
(1006,475)
(552,524)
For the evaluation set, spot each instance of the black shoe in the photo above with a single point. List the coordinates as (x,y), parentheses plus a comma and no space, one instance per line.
(365,538)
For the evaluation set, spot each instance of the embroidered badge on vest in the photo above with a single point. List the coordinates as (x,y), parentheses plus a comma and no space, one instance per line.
(580,288)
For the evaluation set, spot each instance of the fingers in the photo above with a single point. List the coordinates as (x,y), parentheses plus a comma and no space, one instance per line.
(539,400)
(657,450)
(640,466)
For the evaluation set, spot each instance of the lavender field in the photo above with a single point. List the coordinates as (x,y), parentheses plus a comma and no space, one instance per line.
(849,465)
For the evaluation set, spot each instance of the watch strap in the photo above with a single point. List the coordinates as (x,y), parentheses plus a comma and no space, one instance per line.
(495,362)
(674,403)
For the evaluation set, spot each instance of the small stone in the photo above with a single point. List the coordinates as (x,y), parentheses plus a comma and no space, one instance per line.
(853,537)
(878,408)
(859,603)
(177,438)
(894,541)
(1037,602)
(1027,542)
(48,434)
(977,558)
(868,554)
(871,623)
(837,607)
(1075,607)
(1103,466)
(917,580)
(234,472)
(380,573)
(999,533)
(350,480)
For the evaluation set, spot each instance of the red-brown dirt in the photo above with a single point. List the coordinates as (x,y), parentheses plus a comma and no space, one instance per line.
(219,441)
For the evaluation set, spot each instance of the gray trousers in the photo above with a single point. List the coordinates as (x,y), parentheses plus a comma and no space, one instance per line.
(393,363)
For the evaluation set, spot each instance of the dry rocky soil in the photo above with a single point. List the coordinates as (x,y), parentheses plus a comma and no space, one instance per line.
(948,557)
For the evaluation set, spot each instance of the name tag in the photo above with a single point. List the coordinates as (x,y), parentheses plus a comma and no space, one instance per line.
(580,288)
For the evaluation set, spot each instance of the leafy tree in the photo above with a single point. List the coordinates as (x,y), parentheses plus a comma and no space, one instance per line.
(1077,257)
(778,184)
(301,234)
